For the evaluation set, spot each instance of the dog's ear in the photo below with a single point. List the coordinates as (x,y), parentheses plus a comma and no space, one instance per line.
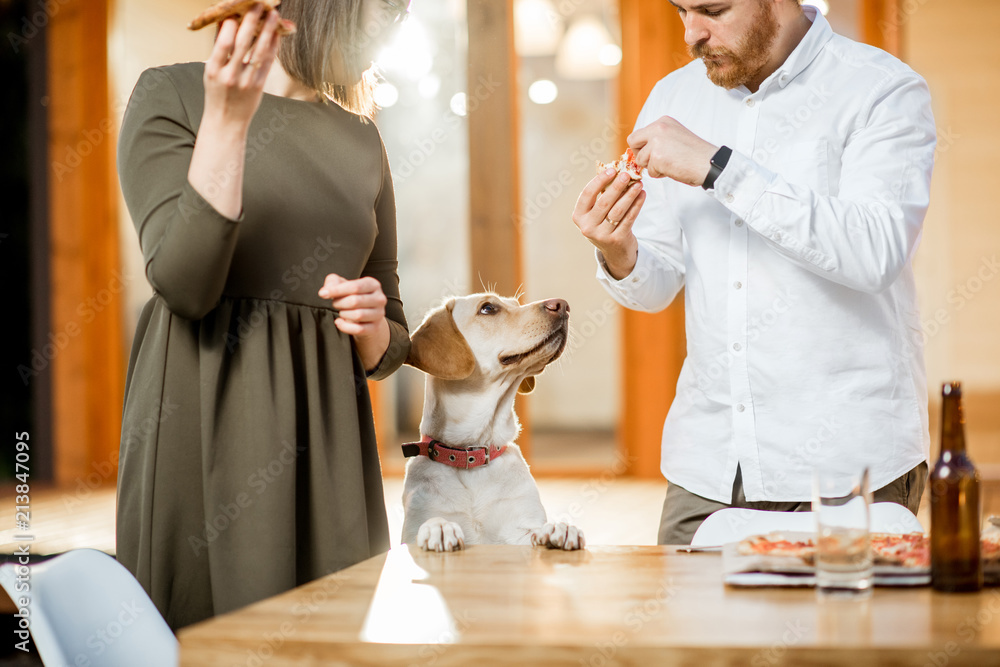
(527,385)
(438,348)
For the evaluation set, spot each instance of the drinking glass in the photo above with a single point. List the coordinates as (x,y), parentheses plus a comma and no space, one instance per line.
(843,549)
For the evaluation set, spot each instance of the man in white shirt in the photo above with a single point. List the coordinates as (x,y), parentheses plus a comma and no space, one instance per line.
(790,177)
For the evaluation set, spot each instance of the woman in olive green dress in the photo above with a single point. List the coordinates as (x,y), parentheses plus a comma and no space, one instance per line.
(264,209)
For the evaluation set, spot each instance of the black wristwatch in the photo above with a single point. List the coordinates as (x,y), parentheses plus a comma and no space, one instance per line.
(719,162)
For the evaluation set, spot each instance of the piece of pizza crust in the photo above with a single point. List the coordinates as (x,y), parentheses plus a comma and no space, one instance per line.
(626,163)
(236,9)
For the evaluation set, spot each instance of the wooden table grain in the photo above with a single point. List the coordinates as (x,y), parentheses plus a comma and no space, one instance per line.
(601,606)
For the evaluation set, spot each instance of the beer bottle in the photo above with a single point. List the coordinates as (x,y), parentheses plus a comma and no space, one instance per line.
(956,563)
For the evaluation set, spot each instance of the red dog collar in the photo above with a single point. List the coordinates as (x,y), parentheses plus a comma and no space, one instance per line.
(456,457)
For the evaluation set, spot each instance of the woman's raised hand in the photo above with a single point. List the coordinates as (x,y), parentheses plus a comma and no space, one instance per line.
(234,85)
(239,64)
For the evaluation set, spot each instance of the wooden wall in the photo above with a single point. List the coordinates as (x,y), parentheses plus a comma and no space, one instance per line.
(87,363)
(653,346)
(953,44)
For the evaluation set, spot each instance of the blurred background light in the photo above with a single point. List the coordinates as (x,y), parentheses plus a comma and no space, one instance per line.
(457,104)
(386,95)
(543,91)
(429,86)
(538,27)
(580,52)
(610,55)
(411,53)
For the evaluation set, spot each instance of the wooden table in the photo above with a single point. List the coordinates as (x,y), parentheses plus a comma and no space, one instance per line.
(601,606)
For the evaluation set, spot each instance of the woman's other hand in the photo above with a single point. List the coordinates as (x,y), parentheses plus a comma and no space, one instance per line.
(361,313)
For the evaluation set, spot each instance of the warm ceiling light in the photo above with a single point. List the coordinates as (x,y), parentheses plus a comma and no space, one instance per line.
(610,55)
(537,27)
(543,91)
(579,55)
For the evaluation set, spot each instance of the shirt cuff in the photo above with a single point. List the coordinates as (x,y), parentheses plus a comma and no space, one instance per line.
(626,290)
(741,184)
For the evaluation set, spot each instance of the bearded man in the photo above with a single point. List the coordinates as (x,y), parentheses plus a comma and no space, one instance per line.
(790,174)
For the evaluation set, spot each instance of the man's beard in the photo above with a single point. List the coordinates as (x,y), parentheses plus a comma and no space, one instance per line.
(732,69)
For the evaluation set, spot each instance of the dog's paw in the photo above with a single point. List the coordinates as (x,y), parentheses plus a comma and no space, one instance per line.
(439,534)
(558,536)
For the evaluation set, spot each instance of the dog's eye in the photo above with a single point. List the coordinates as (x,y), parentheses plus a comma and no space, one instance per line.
(488,309)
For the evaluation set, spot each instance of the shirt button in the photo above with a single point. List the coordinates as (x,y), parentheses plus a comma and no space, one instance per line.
(740,408)
(750,102)
(777,236)
(739,223)
(730,198)
(737,284)
(737,347)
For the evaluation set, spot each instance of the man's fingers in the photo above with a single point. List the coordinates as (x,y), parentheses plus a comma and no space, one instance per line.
(621,207)
(625,225)
(610,197)
(597,184)
(638,139)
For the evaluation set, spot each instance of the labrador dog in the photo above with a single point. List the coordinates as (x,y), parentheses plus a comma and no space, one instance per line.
(467,482)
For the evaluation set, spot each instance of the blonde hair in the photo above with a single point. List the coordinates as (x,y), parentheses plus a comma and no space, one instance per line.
(323,28)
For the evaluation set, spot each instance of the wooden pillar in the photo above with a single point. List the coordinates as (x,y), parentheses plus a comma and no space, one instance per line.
(494,198)
(84,351)
(653,345)
(880,25)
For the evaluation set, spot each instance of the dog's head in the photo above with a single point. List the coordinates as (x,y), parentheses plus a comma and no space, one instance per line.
(493,336)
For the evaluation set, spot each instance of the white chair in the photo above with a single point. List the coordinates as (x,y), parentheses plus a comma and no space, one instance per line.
(86,608)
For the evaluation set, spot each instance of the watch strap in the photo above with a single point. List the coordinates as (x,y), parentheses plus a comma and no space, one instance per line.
(718,163)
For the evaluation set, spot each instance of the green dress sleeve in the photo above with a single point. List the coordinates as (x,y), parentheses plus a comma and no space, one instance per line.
(382,265)
(187,245)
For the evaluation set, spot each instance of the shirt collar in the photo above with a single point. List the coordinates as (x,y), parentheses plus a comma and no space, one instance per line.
(819,34)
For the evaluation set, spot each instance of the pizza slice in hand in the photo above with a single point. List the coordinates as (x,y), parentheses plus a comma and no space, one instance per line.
(225,9)
(625,164)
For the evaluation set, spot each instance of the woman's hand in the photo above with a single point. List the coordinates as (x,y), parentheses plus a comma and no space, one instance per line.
(604,213)
(361,306)
(238,67)
(234,85)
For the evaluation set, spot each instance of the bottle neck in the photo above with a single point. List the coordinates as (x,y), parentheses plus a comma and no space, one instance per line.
(952,425)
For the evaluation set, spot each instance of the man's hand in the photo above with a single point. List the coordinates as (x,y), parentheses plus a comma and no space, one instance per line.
(604,213)
(665,148)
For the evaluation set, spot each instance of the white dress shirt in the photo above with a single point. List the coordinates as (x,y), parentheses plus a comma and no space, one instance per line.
(804,345)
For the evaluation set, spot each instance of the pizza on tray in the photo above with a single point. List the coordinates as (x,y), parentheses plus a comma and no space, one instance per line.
(904,550)
(910,550)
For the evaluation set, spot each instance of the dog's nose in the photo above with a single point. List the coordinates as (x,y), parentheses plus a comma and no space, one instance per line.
(556,306)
